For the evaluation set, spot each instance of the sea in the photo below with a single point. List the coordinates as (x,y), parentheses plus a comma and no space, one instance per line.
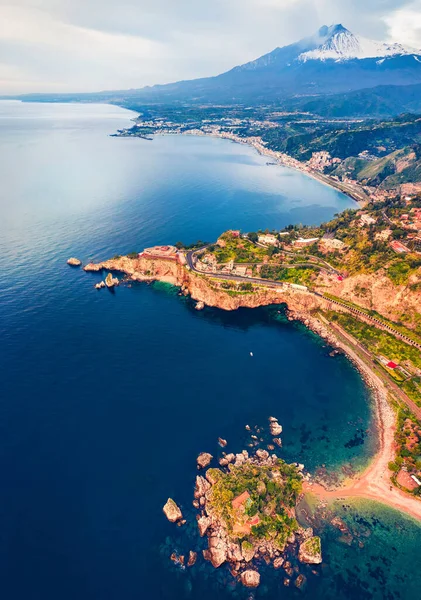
(107,398)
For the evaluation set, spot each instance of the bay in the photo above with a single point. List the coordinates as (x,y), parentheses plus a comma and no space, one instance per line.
(108,398)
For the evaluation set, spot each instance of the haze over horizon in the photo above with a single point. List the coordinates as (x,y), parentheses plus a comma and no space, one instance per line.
(55,46)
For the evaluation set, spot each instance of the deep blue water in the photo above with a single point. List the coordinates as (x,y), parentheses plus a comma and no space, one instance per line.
(107,398)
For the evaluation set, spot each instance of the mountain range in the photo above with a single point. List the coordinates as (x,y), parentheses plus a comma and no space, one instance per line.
(332,62)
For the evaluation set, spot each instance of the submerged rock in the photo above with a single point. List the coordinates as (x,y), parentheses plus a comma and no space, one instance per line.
(310,551)
(74,262)
(203,460)
(300,581)
(250,578)
(172,511)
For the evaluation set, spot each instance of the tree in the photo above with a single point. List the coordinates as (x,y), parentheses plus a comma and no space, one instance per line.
(253,237)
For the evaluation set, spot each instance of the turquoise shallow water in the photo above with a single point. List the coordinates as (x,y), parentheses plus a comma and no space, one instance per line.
(107,398)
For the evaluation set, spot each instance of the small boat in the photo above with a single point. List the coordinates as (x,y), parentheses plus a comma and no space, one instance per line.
(251,353)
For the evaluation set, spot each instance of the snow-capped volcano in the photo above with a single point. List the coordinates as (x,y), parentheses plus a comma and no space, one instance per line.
(332,61)
(338,43)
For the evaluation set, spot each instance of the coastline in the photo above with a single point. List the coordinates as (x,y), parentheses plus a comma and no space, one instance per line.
(374,481)
(284,160)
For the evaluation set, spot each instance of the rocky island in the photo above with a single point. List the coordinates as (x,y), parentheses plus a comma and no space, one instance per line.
(246,510)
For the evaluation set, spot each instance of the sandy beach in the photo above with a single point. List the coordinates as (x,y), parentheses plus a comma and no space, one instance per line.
(374,482)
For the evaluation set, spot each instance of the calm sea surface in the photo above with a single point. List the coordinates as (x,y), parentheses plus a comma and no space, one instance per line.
(106,399)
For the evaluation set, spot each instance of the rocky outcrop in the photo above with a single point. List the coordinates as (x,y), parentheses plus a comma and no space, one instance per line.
(172,511)
(192,558)
(200,305)
(310,551)
(247,551)
(275,428)
(201,487)
(212,475)
(100,285)
(262,454)
(222,442)
(111,281)
(203,460)
(278,562)
(203,524)
(250,578)
(225,460)
(74,262)
(217,550)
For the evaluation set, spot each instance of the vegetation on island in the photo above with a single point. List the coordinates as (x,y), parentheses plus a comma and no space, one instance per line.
(268,511)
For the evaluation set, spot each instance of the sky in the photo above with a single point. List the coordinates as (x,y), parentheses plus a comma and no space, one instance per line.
(93,45)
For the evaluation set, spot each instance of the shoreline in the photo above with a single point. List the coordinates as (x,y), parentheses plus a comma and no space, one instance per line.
(374,481)
(282,160)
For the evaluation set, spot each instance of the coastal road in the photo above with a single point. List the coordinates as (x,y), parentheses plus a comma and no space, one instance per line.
(370,361)
(266,282)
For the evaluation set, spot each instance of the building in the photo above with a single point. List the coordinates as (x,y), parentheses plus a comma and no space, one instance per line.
(240,270)
(332,243)
(240,501)
(366,220)
(384,235)
(398,247)
(268,239)
(166,252)
(302,242)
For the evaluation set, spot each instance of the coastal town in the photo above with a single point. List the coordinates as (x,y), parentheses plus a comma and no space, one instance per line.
(234,129)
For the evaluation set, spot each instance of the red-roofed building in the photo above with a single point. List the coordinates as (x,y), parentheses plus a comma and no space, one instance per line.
(240,500)
(392,365)
(398,247)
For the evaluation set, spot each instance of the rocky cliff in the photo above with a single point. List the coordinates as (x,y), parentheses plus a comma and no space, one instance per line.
(372,291)
(376,291)
(206,289)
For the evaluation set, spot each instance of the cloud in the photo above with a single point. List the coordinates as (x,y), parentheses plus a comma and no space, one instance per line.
(404,25)
(113,44)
